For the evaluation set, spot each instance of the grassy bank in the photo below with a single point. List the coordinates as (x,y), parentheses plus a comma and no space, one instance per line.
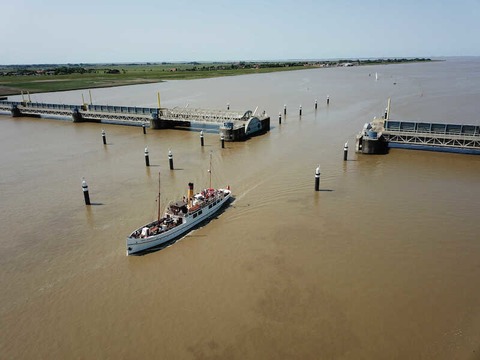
(48,78)
(106,76)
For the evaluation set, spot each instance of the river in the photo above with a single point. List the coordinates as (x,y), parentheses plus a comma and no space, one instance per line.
(383,262)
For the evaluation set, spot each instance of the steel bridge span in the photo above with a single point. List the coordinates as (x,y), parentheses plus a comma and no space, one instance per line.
(156,118)
(381,134)
(432,136)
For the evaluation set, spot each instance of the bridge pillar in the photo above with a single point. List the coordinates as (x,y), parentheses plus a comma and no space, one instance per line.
(161,124)
(77,116)
(15,111)
(155,121)
(374,146)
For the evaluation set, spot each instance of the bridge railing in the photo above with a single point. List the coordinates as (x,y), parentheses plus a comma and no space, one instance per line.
(202,114)
(96,108)
(431,128)
(37,105)
(9,103)
(122,109)
(176,113)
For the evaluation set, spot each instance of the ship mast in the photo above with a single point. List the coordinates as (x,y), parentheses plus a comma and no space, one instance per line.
(210,170)
(158,216)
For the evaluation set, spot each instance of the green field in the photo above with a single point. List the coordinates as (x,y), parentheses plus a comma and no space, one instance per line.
(48,78)
(127,75)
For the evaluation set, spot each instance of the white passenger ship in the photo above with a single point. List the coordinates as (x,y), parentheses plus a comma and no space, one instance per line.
(179,217)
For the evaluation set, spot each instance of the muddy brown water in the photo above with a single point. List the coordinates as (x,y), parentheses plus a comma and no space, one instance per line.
(383,262)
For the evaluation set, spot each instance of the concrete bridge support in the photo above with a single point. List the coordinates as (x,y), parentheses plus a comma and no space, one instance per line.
(155,121)
(15,111)
(158,123)
(77,116)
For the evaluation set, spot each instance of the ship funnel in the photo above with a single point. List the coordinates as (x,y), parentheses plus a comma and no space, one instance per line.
(190,194)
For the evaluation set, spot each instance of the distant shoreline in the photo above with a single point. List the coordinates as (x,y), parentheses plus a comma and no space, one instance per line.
(41,78)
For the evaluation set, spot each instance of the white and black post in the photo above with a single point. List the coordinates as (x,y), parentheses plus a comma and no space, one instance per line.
(222,139)
(201,138)
(317,178)
(86,196)
(104,137)
(300,111)
(328,99)
(316,104)
(144,127)
(285,109)
(170,159)
(147,160)
(279,117)
(345,151)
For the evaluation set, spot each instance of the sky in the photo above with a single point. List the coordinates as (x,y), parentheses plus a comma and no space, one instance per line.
(96,31)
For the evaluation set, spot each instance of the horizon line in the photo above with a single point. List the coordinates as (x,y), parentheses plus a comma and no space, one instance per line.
(237,61)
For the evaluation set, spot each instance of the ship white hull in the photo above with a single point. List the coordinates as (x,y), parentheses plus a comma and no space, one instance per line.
(135,245)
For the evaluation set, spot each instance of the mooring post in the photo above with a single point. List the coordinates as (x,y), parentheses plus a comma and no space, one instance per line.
(201,138)
(386,114)
(144,128)
(222,139)
(317,178)
(86,196)
(147,160)
(170,159)
(104,137)
(345,151)
(228,106)
(316,104)
(279,117)
(300,111)
(285,109)
(328,99)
